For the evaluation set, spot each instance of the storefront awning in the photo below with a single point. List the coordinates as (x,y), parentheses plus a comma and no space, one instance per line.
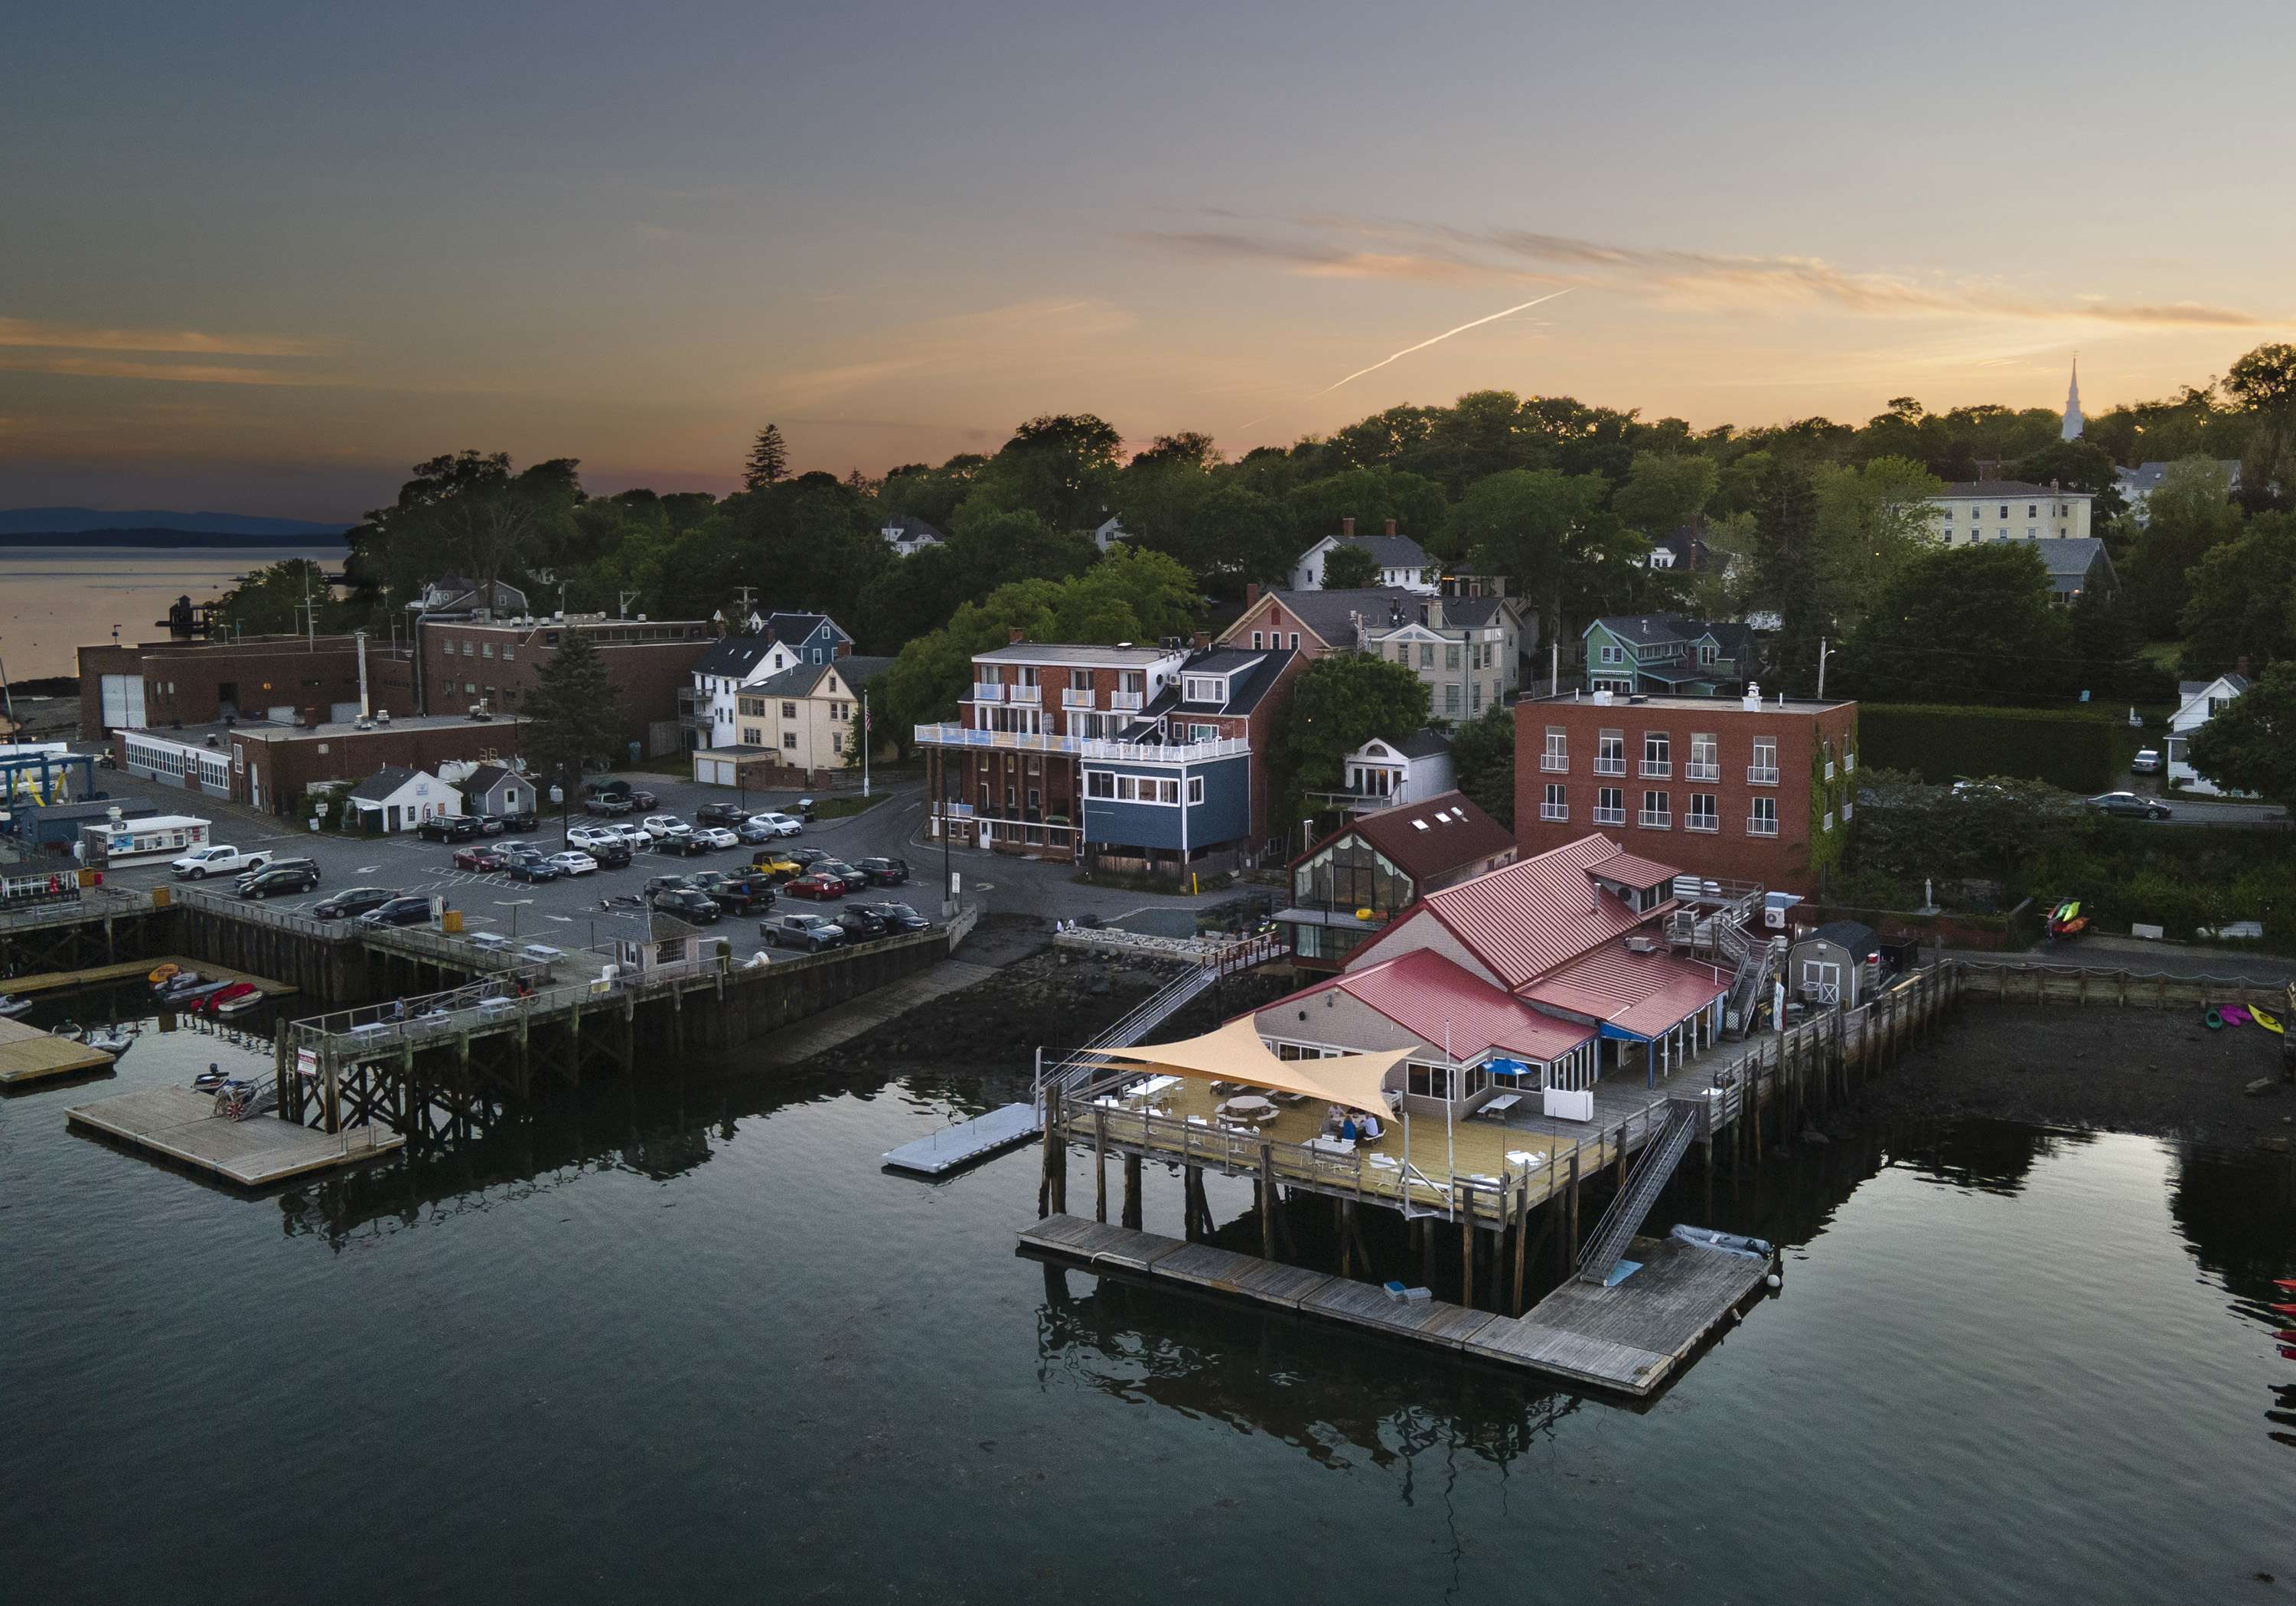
(1234,1053)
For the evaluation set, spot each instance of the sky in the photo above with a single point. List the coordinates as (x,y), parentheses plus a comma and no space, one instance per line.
(263,258)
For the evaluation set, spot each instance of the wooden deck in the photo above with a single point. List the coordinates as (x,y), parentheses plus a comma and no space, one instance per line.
(181,1126)
(136,970)
(29,1055)
(1627,1340)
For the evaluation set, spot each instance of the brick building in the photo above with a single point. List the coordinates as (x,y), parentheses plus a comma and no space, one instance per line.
(155,684)
(267,766)
(1729,788)
(498,662)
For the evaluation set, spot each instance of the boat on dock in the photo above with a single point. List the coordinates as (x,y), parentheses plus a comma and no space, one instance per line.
(230,993)
(1729,1243)
(11,1006)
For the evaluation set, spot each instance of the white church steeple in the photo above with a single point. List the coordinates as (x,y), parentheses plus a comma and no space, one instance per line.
(2073,421)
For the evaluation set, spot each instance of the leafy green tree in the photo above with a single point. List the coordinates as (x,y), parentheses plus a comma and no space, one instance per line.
(2189,514)
(1237,535)
(2104,648)
(1370,496)
(1548,533)
(2244,600)
(1060,467)
(466,512)
(1337,704)
(1346,568)
(1968,625)
(2077,466)
(1482,758)
(270,601)
(930,494)
(1870,522)
(1788,570)
(2264,383)
(768,461)
(2250,745)
(1663,493)
(572,715)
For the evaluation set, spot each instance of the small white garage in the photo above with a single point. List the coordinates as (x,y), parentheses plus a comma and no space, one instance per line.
(397,800)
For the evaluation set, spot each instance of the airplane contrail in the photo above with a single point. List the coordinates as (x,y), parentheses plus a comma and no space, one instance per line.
(1422,345)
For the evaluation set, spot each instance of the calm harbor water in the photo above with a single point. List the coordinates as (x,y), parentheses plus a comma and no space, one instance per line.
(689,1342)
(54,600)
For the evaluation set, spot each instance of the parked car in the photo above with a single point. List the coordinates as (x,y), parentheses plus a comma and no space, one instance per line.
(805,858)
(2129,805)
(686,904)
(809,932)
(587,837)
(899,917)
(281,878)
(573,862)
(859,924)
(311,865)
(218,859)
(531,866)
(736,895)
(775,866)
(449,827)
(612,854)
(717,837)
(780,825)
(2147,762)
(353,900)
(818,887)
(637,797)
(683,844)
(853,879)
(609,806)
(661,825)
(483,856)
(752,833)
(492,825)
(519,819)
(409,910)
(662,884)
(884,872)
(720,814)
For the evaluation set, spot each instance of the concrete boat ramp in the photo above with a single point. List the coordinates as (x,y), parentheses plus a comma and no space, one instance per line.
(1627,1339)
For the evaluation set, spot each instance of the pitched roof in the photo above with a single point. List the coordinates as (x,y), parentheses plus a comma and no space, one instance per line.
(1642,994)
(909,527)
(1251,676)
(1472,613)
(2008,488)
(798,679)
(1432,838)
(1389,551)
(381,784)
(797,627)
(733,656)
(486,778)
(1860,939)
(2146,477)
(1631,869)
(1427,743)
(1438,1002)
(1331,613)
(1650,629)
(1526,919)
(858,668)
(2071,557)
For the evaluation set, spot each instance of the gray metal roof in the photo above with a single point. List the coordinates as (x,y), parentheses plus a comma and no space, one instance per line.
(731,657)
(1055,652)
(1423,744)
(1389,551)
(1652,629)
(382,783)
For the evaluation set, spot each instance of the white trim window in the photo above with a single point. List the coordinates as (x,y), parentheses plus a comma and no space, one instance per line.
(1764,770)
(1705,757)
(1704,815)
(1556,759)
(1763,818)
(1195,788)
(1658,755)
(1611,806)
(1610,752)
(1657,811)
(1557,805)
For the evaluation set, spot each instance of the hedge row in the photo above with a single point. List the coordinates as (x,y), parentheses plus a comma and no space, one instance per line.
(1940,744)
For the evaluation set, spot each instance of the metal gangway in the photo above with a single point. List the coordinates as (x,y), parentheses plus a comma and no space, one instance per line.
(1685,1117)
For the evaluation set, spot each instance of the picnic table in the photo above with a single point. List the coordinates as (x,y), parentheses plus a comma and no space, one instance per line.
(1337,1147)
(1496,1109)
(1251,1108)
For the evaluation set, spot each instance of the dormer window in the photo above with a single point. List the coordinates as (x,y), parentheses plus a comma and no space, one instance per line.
(1204,689)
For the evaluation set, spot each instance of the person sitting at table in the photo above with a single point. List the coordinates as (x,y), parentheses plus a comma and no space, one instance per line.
(1368,1129)
(1348,1130)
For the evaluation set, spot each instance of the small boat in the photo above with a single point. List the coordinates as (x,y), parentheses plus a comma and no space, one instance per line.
(2271,1022)
(183,997)
(175,983)
(2286,1335)
(11,1006)
(210,1079)
(229,1003)
(2213,1020)
(2282,1309)
(2066,921)
(114,1041)
(228,992)
(71,1031)
(2285,1282)
(1733,1243)
(2231,1015)
(164,973)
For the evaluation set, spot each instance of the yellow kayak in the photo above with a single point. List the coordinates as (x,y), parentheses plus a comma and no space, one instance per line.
(2269,1023)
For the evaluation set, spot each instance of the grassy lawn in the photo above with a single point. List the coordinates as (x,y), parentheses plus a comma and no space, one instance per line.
(843,808)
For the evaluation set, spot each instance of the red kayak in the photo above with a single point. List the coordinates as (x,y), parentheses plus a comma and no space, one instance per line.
(2284,1310)
(2285,1283)
(215,1002)
(2287,1354)
(2286,1335)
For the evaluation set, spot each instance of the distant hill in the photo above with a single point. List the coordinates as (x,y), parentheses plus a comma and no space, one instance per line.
(168,540)
(78,522)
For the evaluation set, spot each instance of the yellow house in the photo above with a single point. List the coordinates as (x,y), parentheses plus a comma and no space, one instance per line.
(808,717)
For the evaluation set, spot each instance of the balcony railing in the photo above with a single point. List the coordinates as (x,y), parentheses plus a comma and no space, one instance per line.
(1610,817)
(1756,825)
(1702,822)
(1072,697)
(1547,810)
(1657,769)
(1031,695)
(1758,775)
(1127,702)
(1696,771)
(1610,766)
(1133,752)
(1554,764)
(988,691)
(1656,819)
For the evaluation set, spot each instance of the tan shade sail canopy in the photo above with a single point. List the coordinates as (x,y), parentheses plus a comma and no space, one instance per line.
(1234,1053)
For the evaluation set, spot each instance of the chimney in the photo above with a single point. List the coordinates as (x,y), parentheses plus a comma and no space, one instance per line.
(364,711)
(1752,700)
(1203,641)
(1347,528)
(1250,593)
(2240,666)
(1015,636)
(1390,526)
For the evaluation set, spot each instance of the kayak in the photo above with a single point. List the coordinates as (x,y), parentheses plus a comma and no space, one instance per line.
(164,974)
(2233,1014)
(229,993)
(2269,1023)
(229,1004)
(2282,1309)
(2285,1282)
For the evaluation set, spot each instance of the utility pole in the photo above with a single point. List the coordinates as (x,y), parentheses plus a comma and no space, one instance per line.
(8,695)
(865,741)
(1821,669)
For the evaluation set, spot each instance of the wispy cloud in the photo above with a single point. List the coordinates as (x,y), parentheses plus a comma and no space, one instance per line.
(17,360)
(1330,246)
(1038,336)
(84,337)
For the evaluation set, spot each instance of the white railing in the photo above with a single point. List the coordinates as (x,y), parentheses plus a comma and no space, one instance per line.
(1758,775)
(1756,826)
(1127,752)
(988,691)
(1547,810)
(1702,822)
(1128,702)
(1072,697)
(1030,695)
(1657,769)
(1656,819)
(1610,817)
(1610,766)
(1554,764)
(1696,771)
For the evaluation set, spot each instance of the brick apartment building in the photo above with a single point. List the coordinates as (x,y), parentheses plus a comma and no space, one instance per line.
(1729,788)
(498,662)
(270,767)
(157,684)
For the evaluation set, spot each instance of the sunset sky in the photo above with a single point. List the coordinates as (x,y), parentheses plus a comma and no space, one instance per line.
(262,258)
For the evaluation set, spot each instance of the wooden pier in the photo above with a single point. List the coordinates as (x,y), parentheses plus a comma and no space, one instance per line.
(29,1055)
(136,970)
(1629,1338)
(180,1124)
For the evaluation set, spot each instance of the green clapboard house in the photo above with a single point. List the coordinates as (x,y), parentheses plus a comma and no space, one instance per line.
(1667,653)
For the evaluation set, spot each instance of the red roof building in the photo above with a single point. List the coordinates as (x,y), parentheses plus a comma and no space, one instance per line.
(1354,880)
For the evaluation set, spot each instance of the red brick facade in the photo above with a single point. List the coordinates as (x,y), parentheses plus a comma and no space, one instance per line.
(648,662)
(1710,819)
(193,682)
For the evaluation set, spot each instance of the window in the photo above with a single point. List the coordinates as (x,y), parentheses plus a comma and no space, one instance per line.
(836,741)
(1657,811)
(2031,533)
(1204,733)
(1705,756)
(1295,641)
(1611,806)
(1195,788)
(1427,655)
(2004,510)
(486,649)
(1477,697)
(788,711)
(1451,654)
(1613,654)
(1610,752)
(1079,679)
(1764,770)
(1557,805)
(1827,824)
(1849,764)
(2032,511)
(1764,820)
(1703,815)
(469,688)
(1206,688)
(1450,697)
(509,652)
(1658,761)
(789,739)
(1845,811)
(751,735)
(1556,759)
(470,649)
(1256,635)
(1099,783)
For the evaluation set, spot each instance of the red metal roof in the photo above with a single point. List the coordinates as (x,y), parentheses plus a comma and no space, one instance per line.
(1531,917)
(1631,869)
(1434,1000)
(1645,993)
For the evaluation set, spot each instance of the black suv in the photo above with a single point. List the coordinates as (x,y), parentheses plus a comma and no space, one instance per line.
(859,924)
(728,815)
(279,878)
(610,855)
(686,903)
(449,827)
(398,912)
(735,894)
(898,916)
(353,900)
(883,872)
(308,865)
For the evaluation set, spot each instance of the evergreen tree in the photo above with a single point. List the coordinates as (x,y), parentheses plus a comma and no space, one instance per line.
(572,715)
(768,460)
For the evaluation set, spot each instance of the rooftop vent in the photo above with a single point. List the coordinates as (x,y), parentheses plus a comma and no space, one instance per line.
(1642,945)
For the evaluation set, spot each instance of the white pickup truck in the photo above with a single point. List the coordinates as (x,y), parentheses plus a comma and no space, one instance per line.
(220,859)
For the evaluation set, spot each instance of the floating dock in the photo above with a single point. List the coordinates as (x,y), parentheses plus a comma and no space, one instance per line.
(180,1124)
(137,970)
(946,1150)
(1629,1338)
(29,1055)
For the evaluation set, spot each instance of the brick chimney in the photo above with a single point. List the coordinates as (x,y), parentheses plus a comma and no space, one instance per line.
(1347,528)
(1015,636)
(1250,593)
(2240,666)
(1390,526)
(1203,641)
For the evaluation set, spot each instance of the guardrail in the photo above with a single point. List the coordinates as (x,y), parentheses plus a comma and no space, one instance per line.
(1091,748)
(256,913)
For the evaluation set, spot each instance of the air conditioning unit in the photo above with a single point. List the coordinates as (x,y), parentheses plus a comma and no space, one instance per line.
(1642,945)
(479,711)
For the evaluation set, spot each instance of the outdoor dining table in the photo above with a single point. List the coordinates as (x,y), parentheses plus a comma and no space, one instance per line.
(1249,1107)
